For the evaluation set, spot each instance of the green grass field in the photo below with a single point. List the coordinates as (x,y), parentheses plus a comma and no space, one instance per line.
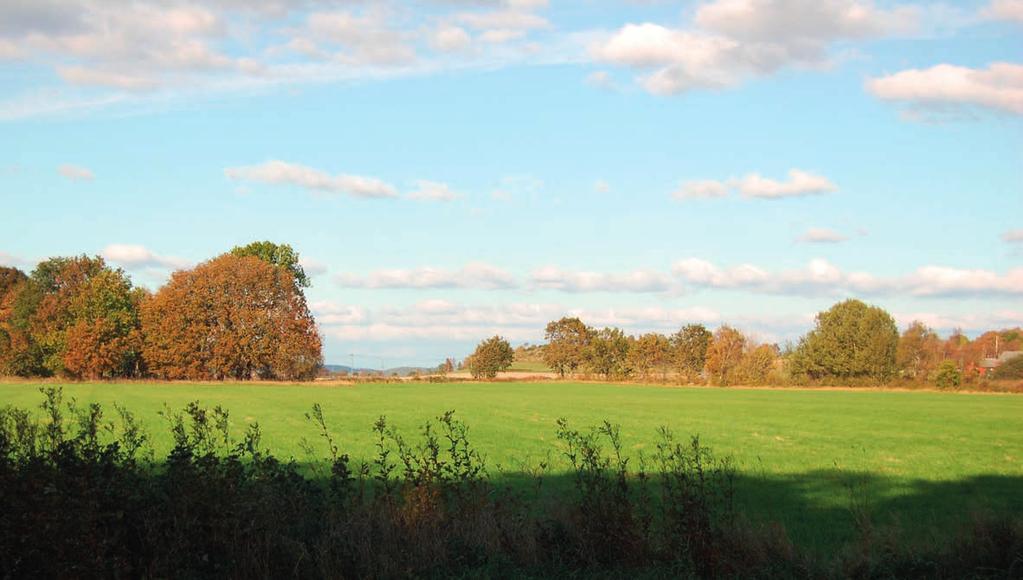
(920,460)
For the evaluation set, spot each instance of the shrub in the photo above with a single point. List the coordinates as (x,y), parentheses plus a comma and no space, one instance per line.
(1011,369)
(947,375)
(82,496)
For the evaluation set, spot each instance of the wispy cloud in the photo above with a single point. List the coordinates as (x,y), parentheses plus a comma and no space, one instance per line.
(554,278)
(133,257)
(284,173)
(76,172)
(822,236)
(477,275)
(800,183)
(821,278)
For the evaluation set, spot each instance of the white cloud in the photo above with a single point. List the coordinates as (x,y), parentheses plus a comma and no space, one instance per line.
(312,267)
(76,172)
(1010,10)
(450,38)
(822,236)
(944,281)
(445,320)
(703,273)
(126,46)
(137,257)
(366,39)
(998,87)
(554,278)
(13,261)
(473,275)
(433,191)
(799,184)
(701,189)
(601,186)
(974,322)
(820,277)
(730,41)
(514,20)
(1013,236)
(281,173)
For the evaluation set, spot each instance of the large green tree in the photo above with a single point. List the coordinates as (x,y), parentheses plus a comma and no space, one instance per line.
(608,353)
(567,340)
(647,353)
(851,340)
(689,350)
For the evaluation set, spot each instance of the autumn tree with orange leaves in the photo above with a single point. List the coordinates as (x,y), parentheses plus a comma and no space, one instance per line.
(73,317)
(233,317)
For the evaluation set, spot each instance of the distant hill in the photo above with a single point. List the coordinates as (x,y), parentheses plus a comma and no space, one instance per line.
(400,371)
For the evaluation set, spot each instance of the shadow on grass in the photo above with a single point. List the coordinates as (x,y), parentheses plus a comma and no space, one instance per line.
(78,498)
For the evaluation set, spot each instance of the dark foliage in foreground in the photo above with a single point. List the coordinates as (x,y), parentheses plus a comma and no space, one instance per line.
(81,496)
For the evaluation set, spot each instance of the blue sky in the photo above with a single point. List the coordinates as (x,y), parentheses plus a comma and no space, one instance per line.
(455,169)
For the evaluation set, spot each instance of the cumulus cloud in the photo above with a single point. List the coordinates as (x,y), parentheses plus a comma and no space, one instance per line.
(730,41)
(1009,10)
(450,38)
(473,275)
(999,87)
(133,257)
(126,46)
(1013,236)
(554,278)
(799,184)
(513,21)
(822,236)
(360,39)
(973,322)
(441,319)
(152,51)
(601,186)
(821,278)
(76,172)
(433,191)
(284,173)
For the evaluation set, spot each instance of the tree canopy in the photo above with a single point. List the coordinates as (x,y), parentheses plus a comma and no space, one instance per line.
(567,340)
(235,317)
(281,255)
(491,356)
(850,340)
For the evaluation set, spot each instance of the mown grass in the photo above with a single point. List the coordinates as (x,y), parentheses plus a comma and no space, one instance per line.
(814,460)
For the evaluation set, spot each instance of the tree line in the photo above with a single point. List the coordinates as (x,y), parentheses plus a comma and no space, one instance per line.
(240,315)
(852,342)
